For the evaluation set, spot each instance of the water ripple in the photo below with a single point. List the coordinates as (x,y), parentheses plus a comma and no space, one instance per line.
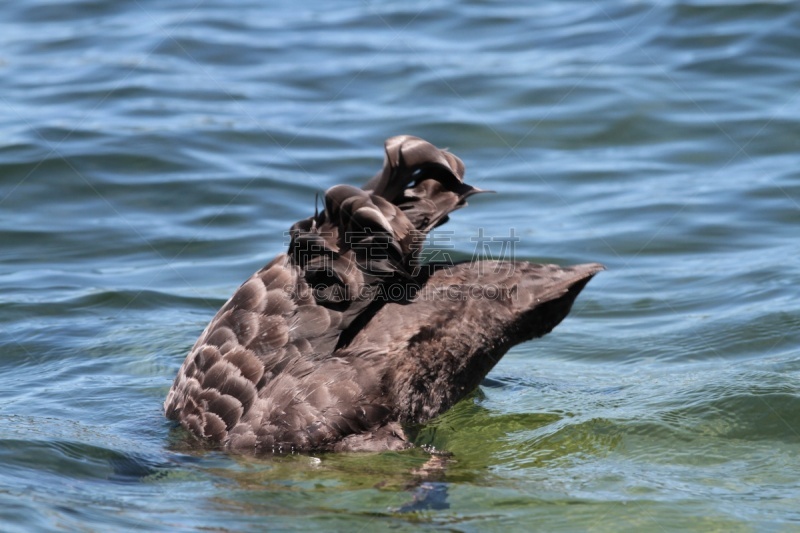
(154,155)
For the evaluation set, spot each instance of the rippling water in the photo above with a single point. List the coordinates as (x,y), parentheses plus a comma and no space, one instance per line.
(153,154)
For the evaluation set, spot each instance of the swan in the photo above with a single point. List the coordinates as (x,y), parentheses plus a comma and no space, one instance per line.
(348,337)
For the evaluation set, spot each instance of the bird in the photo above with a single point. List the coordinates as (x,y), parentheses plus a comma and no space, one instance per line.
(349,338)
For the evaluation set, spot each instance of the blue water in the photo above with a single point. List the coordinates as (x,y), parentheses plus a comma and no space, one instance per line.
(152,154)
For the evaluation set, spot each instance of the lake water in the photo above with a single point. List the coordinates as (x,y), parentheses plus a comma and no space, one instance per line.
(153,153)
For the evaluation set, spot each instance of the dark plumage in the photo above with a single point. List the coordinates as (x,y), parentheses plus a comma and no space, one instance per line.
(339,342)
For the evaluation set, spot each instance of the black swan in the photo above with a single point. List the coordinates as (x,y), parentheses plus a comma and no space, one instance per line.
(349,336)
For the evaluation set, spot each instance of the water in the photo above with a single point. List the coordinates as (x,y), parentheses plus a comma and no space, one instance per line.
(153,154)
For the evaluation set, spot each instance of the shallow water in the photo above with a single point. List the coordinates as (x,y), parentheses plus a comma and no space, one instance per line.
(154,153)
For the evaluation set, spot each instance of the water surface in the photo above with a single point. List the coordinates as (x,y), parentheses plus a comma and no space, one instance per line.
(152,155)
